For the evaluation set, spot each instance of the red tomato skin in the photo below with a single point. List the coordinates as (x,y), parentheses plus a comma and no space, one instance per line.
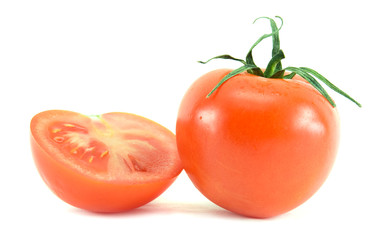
(257,147)
(92,194)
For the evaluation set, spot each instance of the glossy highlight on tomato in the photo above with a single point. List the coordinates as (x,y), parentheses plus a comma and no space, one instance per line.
(106,163)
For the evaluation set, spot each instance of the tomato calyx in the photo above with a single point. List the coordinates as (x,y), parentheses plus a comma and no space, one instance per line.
(274,68)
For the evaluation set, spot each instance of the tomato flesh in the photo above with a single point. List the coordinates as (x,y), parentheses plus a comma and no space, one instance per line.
(108,163)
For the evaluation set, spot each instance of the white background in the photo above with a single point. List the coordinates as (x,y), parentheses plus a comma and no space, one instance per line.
(140,56)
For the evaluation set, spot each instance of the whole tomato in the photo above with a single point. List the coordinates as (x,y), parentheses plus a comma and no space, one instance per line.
(258,146)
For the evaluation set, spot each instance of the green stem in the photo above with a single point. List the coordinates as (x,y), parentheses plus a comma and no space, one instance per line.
(225,56)
(275,38)
(313,82)
(274,67)
(230,75)
(329,84)
(249,58)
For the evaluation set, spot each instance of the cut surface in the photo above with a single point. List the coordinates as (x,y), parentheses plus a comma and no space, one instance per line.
(111,147)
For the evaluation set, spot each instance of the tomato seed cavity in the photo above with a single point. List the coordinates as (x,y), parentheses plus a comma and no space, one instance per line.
(75,141)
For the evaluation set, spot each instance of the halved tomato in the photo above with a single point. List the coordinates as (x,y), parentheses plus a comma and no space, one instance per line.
(105,163)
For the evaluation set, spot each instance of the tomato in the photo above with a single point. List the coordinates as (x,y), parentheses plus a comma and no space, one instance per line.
(259,142)
(108,163)
(257,146)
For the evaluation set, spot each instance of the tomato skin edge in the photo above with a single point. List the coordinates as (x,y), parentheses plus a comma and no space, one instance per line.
(91,194)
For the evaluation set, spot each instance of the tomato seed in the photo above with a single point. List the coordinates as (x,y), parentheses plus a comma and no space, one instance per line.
(56,130)
(104,153)
(59,139)
(74,150)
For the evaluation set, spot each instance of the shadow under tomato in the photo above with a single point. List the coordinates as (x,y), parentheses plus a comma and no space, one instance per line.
(165,207)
